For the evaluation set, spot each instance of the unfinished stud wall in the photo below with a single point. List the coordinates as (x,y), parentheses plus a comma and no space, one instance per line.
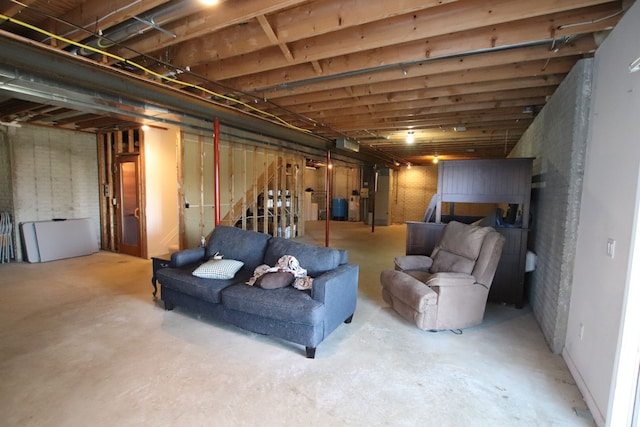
(253,169)
(557,140)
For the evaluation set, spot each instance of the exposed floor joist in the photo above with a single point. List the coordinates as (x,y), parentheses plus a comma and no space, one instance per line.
(366,71)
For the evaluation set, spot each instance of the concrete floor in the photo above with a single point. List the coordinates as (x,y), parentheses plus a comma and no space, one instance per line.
(82,342)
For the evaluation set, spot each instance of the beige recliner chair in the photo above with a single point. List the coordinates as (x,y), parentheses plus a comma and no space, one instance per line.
(449,289)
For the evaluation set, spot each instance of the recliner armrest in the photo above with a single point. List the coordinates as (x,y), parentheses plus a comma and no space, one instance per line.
(445,279)
(413,263)
(187,256)
(408,289)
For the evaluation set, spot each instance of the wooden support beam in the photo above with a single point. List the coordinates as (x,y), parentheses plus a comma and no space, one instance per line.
(273,38)
(316,67)
(229,14)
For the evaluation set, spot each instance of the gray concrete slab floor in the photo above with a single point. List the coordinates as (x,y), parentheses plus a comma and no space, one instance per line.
(82,342)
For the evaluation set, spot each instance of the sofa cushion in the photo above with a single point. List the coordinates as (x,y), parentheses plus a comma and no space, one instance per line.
(315,259)
(274,280)
(182,280)
(284,304)
(218,269)
(236,243)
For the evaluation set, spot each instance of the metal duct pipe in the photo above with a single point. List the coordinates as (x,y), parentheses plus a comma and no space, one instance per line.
(38,73)
(136,26)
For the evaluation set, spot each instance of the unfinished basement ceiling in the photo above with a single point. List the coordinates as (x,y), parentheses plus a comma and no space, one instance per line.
(465,78)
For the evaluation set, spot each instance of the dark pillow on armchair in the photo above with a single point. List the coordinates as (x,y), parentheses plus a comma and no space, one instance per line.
(274,280)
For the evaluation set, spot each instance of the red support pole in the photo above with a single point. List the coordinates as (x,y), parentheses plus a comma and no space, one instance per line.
(327,199)
(216,170)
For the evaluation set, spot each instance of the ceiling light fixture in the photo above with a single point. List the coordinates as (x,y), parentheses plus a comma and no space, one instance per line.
(460,128)
(209,2)
(410,138)
(408,165)
(435,159)
(634,66)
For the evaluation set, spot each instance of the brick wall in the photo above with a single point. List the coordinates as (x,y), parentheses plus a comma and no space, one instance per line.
(558,141)
(410,197)
(54,174)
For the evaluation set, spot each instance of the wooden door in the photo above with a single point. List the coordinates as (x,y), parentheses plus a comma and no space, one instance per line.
(128,205)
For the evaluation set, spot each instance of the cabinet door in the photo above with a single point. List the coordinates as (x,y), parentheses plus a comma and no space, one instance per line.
(508,283)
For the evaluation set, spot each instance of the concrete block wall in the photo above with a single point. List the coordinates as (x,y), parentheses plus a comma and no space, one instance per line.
(557,140)
(54,174)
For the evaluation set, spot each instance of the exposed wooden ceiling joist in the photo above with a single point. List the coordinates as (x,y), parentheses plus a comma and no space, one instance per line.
(368,71)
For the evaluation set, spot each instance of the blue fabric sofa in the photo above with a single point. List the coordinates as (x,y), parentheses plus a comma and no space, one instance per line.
(303,317)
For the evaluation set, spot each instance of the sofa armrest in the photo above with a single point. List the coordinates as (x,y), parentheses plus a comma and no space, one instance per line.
(337,289)
(187,256)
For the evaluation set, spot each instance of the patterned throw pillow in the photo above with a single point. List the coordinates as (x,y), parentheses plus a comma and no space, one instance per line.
(218,269)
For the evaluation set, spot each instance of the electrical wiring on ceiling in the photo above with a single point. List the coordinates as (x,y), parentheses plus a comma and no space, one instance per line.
(151,72)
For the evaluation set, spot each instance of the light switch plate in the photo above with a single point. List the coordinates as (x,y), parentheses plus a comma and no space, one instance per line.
(611,247)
